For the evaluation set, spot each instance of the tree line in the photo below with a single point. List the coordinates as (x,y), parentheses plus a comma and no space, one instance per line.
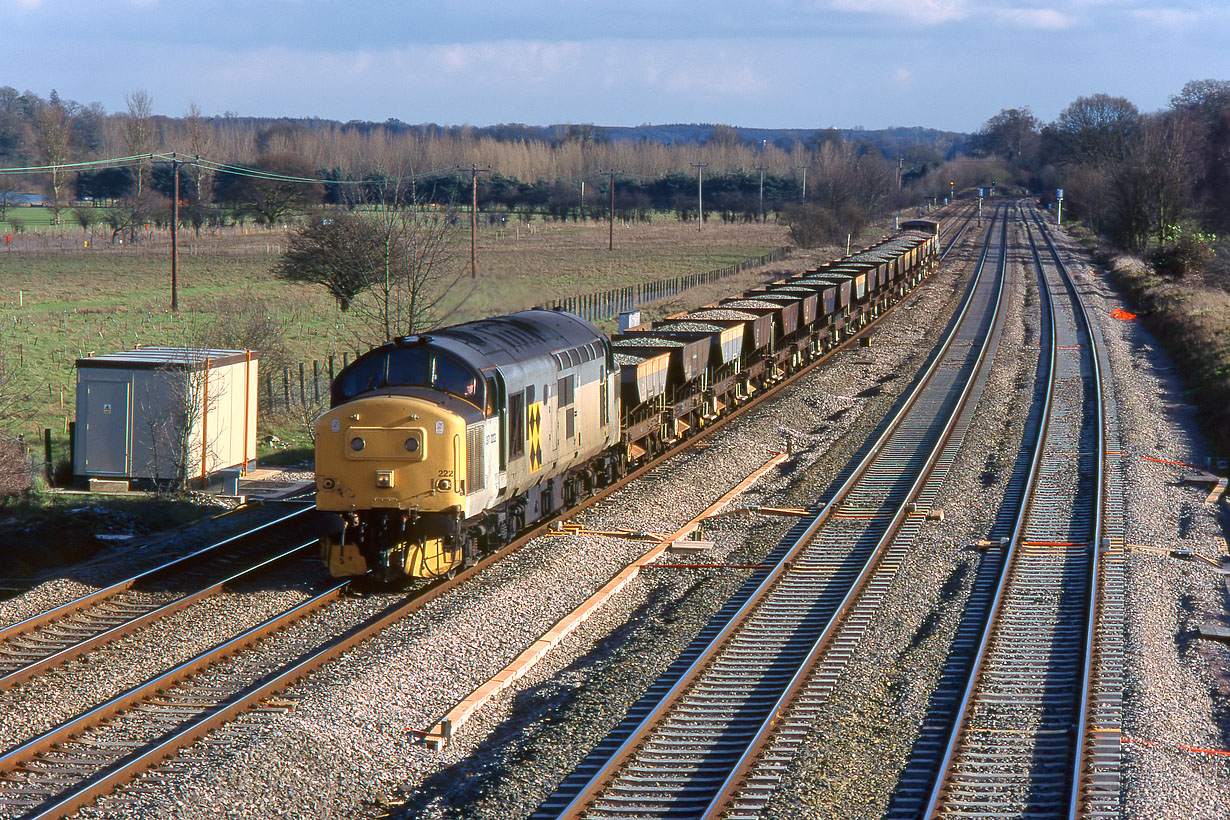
(561,173)
(1150,183)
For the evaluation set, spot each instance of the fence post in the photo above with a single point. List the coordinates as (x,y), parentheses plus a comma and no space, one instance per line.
(302,389)
(316,380)
(286,385)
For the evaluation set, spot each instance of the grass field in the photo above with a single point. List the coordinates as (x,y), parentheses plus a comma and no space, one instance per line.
(62,301)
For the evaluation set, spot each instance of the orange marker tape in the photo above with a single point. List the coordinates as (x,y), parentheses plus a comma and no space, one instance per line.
(1126,739)
(1177,463)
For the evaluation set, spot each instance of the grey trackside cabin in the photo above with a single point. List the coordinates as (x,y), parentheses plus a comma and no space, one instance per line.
(165,414)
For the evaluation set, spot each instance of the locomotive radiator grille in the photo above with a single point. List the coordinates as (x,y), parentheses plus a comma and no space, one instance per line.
(476,466)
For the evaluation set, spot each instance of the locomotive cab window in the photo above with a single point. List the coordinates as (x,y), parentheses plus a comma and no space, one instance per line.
(412,367)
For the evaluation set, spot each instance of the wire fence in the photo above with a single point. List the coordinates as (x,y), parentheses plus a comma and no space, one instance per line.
(608,304)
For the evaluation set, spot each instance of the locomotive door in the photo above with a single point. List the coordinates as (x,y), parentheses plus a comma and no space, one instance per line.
(497,416)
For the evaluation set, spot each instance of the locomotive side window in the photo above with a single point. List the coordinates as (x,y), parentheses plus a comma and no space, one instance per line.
(452,376)
(516,425)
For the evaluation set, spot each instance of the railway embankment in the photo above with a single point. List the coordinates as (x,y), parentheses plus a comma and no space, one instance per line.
(1191,320)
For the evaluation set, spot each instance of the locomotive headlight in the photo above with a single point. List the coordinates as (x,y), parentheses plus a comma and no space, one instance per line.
(412,445)
(444,485)
(357,444)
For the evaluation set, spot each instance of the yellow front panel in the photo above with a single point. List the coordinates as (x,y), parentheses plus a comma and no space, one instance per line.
(362,461)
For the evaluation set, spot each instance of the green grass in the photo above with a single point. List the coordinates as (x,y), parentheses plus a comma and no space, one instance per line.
(61,305)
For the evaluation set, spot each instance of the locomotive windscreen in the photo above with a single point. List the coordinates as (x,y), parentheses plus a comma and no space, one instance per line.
(409,367)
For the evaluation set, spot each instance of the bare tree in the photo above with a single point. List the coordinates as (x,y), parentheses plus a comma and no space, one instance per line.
(336,249)
(1152,188)
(284,184)
(1013,134)
(176,402)
(53,139)
(395,267)
(200,144)
(139,133)
(1093,129)
(16,472)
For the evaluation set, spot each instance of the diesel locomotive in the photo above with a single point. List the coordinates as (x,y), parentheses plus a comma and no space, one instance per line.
(441,447)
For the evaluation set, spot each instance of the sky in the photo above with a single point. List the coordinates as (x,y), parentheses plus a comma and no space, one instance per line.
(947,64)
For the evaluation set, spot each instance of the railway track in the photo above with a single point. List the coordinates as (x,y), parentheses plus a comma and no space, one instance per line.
(33,646)
(1006,729)
(685,747)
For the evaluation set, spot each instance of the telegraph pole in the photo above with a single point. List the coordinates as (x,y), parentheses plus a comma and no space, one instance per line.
(474,172)
(610,245)
(174,233)
(761,169)
(803,199)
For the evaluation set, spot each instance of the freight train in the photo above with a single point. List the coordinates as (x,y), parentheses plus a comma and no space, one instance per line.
(439,448)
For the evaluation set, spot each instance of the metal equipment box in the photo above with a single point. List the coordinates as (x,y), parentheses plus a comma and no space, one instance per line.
(176,414)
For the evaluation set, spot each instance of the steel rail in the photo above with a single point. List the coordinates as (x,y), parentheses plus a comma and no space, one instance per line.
(1079,763)
(677,691)
(1010,560)
(82,647)
(727,792)
(63,610)
(1007,560)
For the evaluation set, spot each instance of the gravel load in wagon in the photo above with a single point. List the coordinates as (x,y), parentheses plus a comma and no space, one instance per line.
(787,313)
(646,341)
(727,342)
(692,327)
(750,303)
(725,315)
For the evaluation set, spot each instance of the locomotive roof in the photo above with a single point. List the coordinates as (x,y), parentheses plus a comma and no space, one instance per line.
(501,340)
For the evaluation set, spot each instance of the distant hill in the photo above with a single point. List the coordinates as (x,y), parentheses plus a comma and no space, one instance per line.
(890,138)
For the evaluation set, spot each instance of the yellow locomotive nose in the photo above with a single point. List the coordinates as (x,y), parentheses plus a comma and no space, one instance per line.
(389,452)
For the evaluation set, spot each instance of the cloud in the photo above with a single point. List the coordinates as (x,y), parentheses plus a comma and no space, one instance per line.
(931,12)
(903,79)
(1047,19)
